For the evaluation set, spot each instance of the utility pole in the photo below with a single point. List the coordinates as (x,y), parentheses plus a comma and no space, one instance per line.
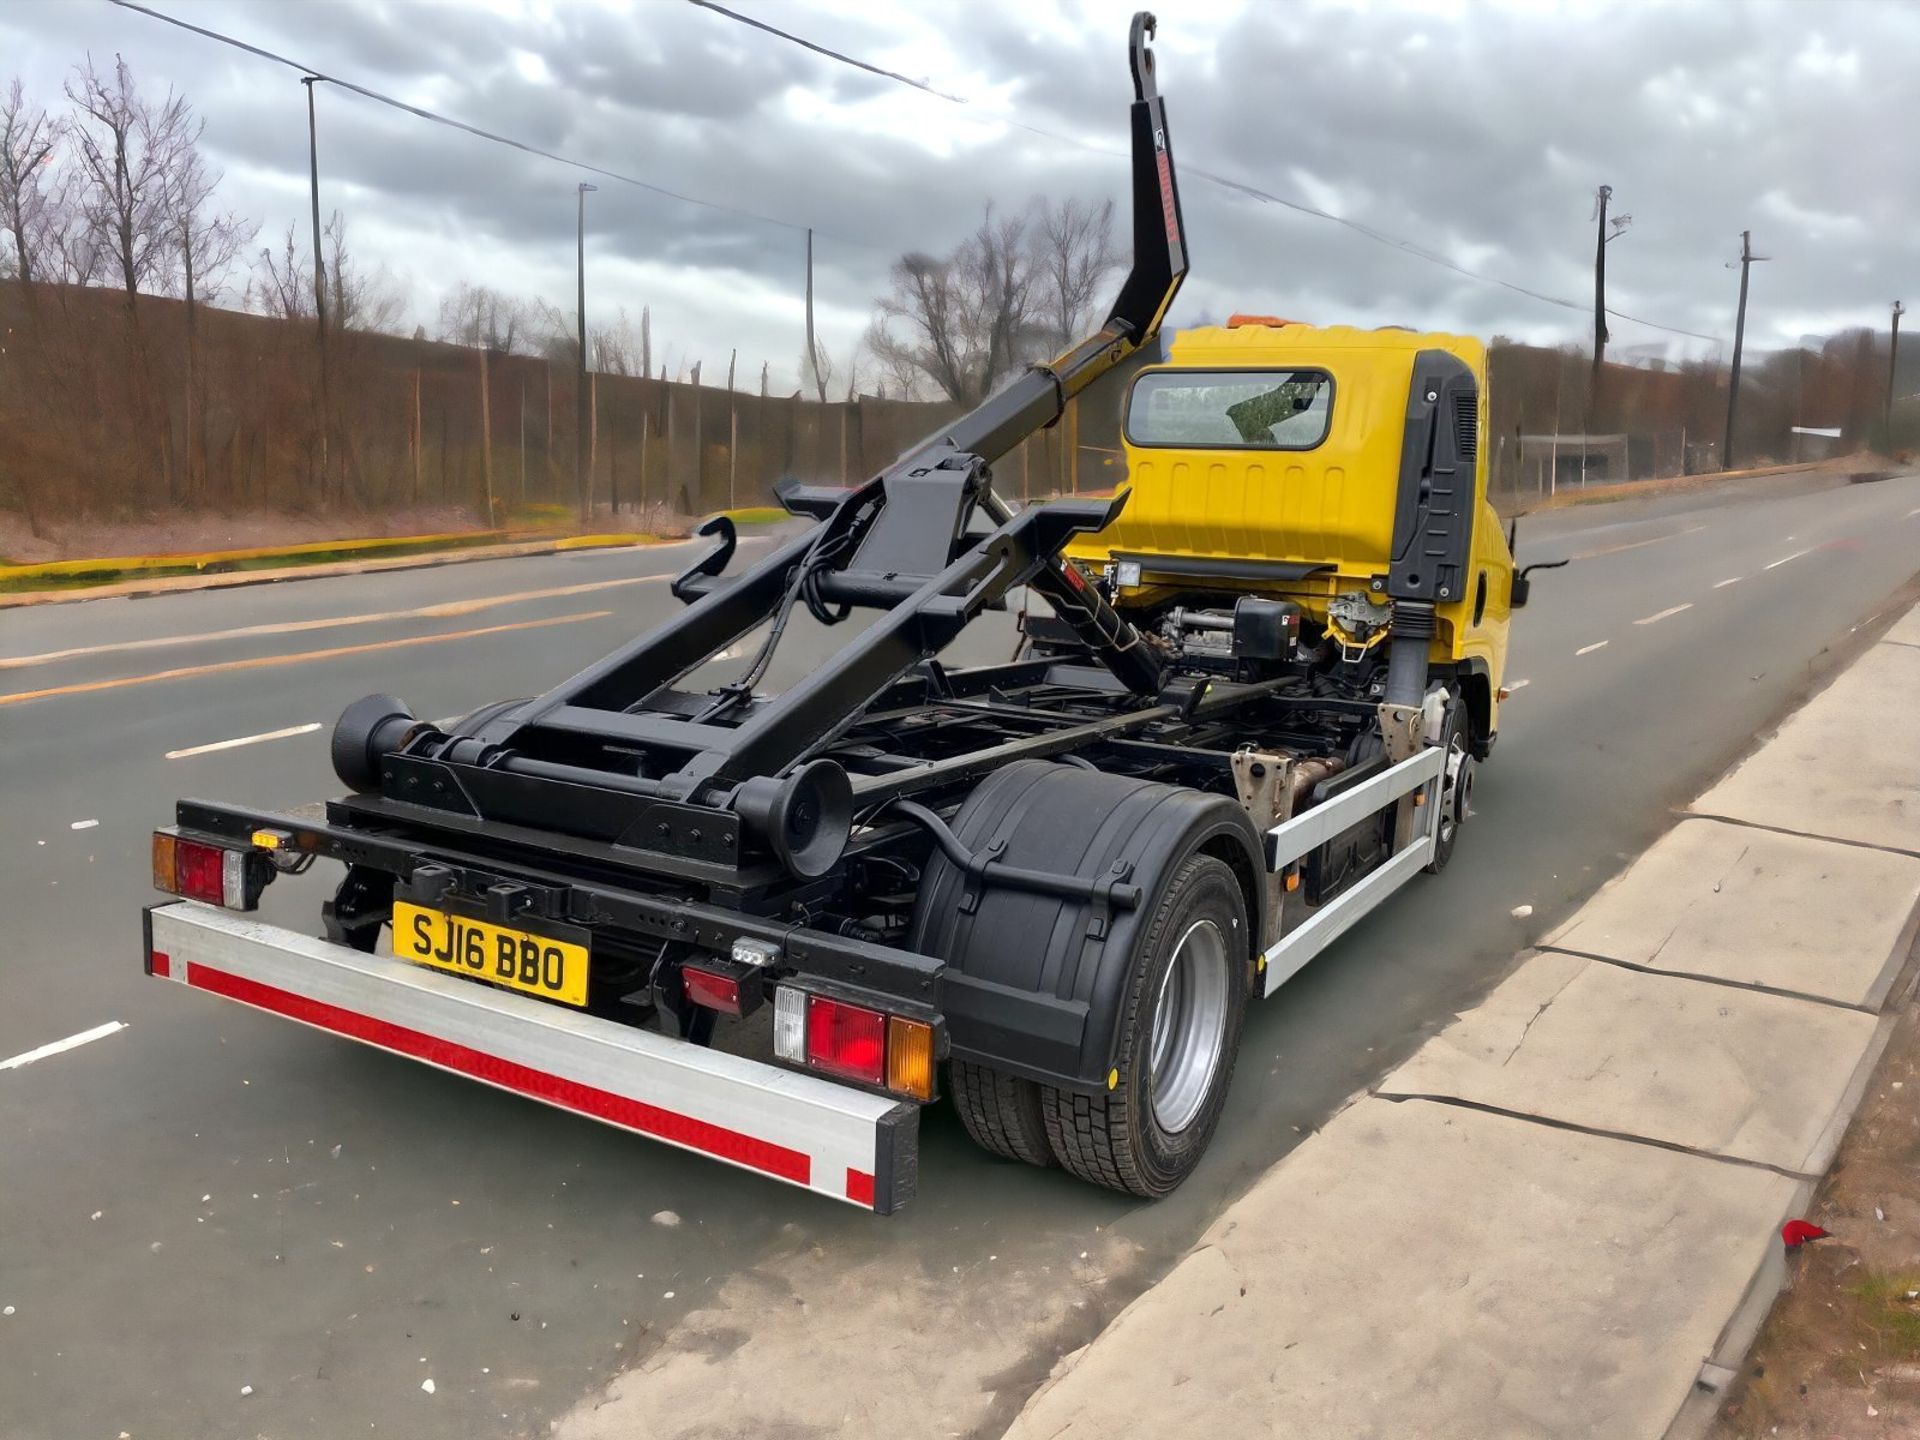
(1747,257)
(1600,336)
(1893,362)
(581,419)
(319,278)
(1606,232)
(813,355)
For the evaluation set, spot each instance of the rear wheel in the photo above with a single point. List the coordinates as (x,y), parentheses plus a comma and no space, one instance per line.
(1180,1031)
(1001,1112)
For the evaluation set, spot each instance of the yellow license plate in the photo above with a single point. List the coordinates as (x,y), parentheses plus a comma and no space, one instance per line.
(537,964)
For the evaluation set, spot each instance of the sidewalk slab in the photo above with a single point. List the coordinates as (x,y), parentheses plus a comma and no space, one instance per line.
(1758,908)
(1906,630)
(1845,765)
(1422,1269)
(1715,1068)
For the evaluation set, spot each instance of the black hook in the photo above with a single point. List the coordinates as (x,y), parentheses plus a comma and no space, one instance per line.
(1142,58)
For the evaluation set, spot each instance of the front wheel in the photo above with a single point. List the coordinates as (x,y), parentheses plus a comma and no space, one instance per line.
(1180,1031)
(1455,786)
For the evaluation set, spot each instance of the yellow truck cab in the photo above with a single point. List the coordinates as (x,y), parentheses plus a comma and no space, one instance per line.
(1340,469)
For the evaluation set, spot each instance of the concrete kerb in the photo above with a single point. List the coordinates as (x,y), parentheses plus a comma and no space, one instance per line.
(1687,978)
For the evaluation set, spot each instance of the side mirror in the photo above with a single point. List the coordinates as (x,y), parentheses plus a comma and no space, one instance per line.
(1522,587)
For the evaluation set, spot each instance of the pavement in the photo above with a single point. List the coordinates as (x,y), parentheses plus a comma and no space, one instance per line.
(208,1202)
(1560,1217)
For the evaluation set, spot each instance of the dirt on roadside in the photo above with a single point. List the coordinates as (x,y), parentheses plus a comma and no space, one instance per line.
(1839,1358)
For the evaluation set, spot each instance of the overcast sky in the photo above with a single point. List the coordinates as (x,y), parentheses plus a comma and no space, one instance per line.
(1476,130)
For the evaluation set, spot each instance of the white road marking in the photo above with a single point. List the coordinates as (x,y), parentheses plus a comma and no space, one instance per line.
(72,1042)
(1722,584)
(83,825)
(1518,685)
(1589,649)
(1784,558)
(285,734)
(1662,615)
(450,609)
(1637,544)
(1912,513)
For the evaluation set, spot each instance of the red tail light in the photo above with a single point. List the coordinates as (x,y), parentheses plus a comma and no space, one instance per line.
(199,872)
(206,873)
(715,992)
(848,1040)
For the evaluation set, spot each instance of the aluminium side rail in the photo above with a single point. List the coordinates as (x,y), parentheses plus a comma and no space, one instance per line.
(1292,840)
(836,1140)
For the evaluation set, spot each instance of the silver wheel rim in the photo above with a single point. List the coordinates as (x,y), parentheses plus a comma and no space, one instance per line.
(1189,1027)
(1458,792)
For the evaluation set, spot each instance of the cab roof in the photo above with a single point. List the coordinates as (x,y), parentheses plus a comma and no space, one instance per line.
(1255,344)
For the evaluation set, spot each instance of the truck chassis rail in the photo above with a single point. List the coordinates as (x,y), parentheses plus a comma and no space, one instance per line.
(832,1139)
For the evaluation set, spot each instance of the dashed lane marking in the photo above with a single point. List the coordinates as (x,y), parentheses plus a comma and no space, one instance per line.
(285,734)
(262,662)
(1722,584)
(1637,544)
(72,1042)
(447,610)
(1775,565)
(1656,618)
(1589,649)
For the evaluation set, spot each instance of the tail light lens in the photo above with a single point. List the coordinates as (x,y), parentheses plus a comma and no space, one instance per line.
(714,991)
(855,1042)
(847,1040)
(202,872)
(910,1057)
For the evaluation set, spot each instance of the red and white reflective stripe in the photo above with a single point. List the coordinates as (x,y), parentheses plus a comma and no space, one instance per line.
(797,1128)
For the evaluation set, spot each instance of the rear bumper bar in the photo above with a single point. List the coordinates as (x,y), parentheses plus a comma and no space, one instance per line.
(839,1141)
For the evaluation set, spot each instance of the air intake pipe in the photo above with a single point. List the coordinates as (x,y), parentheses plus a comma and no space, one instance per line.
(1410,636)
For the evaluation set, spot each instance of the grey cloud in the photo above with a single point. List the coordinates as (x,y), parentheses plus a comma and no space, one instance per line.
(1480,136)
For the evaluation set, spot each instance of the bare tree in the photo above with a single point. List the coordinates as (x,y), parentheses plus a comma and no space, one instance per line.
(28,138)
(279,286)
(357,298)
(967,320)
(816,370)
(205,244)
(360,299)
(613,349)
(128,149)
(1074,254)
(482,317)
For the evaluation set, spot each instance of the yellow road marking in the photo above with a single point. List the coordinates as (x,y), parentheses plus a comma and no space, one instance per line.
(261,662)
(447,610)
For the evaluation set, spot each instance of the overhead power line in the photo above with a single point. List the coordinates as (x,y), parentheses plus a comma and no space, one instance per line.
(450,122)
(1241,187)
(831,54)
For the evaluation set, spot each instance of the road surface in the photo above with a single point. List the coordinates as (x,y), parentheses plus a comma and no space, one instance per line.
(213,1223)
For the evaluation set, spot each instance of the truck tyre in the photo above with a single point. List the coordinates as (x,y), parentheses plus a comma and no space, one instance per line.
(1001,1112)
(1454,792)
(1185,1004)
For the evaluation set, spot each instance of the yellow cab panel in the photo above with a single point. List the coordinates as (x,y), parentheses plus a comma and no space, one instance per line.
(1305,508)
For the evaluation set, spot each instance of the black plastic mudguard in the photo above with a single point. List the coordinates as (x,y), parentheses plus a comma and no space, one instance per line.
(1034,984)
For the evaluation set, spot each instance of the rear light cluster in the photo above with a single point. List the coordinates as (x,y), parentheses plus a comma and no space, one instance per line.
(853,1042)
(208,873)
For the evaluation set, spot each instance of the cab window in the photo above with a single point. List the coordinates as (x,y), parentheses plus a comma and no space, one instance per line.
(1230,409)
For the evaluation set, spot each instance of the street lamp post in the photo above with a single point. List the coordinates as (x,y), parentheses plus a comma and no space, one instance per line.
(581,480)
